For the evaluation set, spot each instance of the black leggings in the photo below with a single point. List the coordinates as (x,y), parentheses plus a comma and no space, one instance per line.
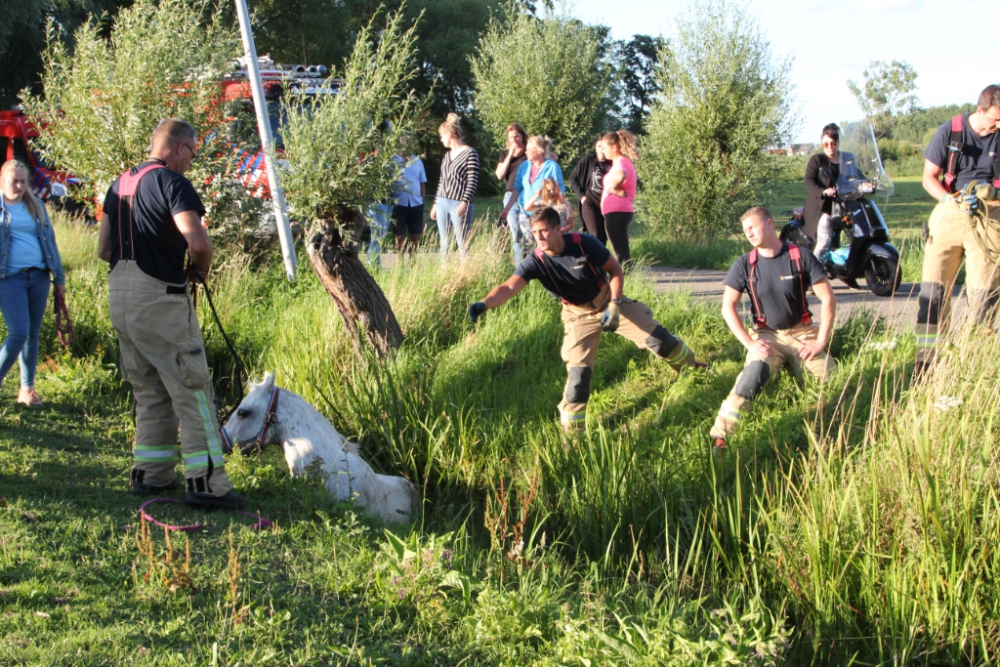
(593,220)
(617,226)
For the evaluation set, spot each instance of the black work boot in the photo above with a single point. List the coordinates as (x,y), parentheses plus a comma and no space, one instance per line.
(719,448)
(199,493)
(230,501)
(140,488)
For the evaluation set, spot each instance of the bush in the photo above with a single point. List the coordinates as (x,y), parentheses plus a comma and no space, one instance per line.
(101,102)
(544,73)
(725,100)
(340,149)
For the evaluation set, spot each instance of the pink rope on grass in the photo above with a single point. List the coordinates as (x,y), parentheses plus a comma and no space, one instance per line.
(261,524)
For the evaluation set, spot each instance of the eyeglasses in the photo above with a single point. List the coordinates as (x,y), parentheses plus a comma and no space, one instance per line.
(829,144)
(194,153)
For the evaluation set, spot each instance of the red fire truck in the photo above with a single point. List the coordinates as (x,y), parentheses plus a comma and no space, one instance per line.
(16,132)
(278,81)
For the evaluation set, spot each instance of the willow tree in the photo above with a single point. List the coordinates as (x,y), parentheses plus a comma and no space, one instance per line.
(340,153)
(545,73)
(101,101)
(725,100)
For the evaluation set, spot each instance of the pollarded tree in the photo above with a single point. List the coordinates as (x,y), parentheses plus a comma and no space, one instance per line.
(340,153)
(724,102)
(886,93)
(545,73)
(101,101)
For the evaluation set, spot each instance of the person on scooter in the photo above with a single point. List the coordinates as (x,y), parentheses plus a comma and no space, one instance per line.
(580,272)
(961,168)
(777,276)
(821,207)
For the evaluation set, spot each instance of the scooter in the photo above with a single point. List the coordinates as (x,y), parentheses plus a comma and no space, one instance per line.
(868,251)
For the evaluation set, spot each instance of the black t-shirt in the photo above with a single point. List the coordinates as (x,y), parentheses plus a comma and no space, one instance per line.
(778,291)
(512,168)
(595,180)
(158,247)
(575,275)
(978,153)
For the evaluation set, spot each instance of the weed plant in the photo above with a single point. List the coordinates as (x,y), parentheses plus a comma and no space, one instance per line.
(851,523)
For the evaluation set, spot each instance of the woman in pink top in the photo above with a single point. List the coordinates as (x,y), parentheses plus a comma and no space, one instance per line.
(618,199)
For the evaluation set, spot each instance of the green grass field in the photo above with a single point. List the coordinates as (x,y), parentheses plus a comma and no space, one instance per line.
(850,524)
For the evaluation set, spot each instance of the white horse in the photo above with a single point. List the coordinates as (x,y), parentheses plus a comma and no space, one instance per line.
(270,415)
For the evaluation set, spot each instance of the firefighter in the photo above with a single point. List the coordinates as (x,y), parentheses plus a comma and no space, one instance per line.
(961,171)
(777,276)
(578,270)
(152,218)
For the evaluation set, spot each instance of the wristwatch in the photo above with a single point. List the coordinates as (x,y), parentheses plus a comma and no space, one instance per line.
(616,301)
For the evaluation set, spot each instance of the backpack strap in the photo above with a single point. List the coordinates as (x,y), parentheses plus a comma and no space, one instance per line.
(795,260)
(795,256)
(758,310)
(955,146)
(128,186)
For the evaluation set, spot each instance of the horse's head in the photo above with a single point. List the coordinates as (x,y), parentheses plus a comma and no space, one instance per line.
(246,425)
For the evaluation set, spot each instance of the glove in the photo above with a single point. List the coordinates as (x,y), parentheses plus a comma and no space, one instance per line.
(501,222)
(609,320)
(980,189)
(476,310)
(963,202)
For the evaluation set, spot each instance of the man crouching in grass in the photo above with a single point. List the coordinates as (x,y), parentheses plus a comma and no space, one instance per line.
(777,276)
(579,271)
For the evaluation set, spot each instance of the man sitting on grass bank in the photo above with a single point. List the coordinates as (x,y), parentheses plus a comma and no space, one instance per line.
(777,276)
(578,270)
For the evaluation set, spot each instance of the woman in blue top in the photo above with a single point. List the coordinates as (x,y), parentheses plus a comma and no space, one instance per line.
(28,257)
(530,177)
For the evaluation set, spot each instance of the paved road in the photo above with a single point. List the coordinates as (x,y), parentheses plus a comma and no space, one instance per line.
(900,310)
(705,284)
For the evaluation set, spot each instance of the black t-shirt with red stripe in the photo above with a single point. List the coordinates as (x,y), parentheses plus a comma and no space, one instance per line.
(778,290)
(574,275)
(158,247)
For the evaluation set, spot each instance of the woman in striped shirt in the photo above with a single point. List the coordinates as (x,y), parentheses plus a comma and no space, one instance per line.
(459,178)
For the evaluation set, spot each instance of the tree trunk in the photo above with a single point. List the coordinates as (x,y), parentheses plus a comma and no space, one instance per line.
(358,297)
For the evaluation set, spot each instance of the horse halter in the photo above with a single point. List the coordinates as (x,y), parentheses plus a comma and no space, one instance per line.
(270,417)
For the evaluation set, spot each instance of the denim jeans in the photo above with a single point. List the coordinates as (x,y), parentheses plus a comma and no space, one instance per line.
(447,212)
(23,296)
(378,221)
(520,228)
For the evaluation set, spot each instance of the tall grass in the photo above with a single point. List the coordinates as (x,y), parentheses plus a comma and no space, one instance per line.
(855,521)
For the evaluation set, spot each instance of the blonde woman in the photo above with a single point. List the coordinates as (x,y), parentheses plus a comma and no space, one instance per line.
(29,260)
(618,198)
(531,175)
(457,185)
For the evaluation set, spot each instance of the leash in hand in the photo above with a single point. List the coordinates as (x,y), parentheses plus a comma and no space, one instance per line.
(64,326)
(237,360)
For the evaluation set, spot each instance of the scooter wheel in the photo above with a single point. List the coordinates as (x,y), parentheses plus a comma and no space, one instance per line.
(883,276)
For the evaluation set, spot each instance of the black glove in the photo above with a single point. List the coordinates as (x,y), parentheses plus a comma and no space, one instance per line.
(476,310)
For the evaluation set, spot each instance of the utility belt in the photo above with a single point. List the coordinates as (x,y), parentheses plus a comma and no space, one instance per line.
(599,302)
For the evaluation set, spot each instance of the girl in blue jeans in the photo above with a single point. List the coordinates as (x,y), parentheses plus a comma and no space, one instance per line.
(459,178)
(29,259)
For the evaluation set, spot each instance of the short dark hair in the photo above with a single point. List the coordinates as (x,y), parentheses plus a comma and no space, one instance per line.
(832,131)
(176,130)
(548,215)
(757,212)
(990,97)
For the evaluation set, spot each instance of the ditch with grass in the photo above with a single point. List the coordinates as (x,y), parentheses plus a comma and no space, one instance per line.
(852,523)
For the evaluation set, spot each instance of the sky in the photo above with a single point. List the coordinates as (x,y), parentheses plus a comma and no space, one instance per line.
(831,42)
